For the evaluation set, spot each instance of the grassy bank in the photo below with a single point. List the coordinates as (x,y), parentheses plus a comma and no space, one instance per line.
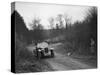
(26,62)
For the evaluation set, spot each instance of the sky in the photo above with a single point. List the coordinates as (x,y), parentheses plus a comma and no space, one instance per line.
(29,11)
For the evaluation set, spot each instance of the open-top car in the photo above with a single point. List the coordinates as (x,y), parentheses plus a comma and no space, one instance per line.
(42,50)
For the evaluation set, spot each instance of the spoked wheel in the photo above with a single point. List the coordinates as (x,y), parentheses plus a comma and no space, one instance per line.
(52,53)
(39,55)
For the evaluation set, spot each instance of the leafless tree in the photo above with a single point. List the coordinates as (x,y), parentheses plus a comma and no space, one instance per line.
(51,21)
(59,19)
(36,23)
(67,20)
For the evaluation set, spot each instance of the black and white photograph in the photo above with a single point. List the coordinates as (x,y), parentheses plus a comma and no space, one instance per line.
(53,37)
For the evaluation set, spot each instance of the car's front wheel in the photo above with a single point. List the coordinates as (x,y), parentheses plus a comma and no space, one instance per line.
(42,54)
(39,55)
(52,53)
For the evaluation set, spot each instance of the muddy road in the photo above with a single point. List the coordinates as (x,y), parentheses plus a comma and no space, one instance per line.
(61,61)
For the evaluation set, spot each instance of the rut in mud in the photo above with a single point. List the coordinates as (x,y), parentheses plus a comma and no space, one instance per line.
(61,61)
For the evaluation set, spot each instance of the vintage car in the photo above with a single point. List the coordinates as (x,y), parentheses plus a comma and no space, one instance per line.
(42,50)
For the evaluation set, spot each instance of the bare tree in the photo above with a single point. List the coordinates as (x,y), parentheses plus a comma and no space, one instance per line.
(92,21)
(51,21)
(37,32)
(35,23)
(59,19)
(67,20)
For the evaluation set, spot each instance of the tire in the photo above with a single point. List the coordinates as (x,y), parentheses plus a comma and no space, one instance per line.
(39,55)
(42,55)
(52,53)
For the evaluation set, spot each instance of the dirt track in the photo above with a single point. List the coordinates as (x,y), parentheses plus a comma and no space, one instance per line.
(61,61)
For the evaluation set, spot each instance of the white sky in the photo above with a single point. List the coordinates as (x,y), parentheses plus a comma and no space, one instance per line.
(44,11)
